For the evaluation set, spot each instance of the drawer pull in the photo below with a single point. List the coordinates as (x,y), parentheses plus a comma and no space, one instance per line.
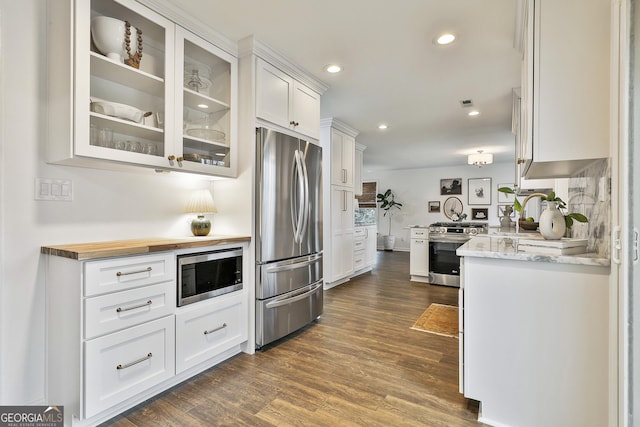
(224,325)
(126,273)
(135,362)
(120,309)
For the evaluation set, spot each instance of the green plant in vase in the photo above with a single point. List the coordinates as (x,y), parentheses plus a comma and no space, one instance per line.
(549,228)
(388,204)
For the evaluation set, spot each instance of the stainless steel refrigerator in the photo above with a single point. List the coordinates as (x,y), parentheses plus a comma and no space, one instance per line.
(288,234)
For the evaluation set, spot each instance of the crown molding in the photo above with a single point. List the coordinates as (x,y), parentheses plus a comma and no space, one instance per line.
(173,12)
(341,126)
(251,46)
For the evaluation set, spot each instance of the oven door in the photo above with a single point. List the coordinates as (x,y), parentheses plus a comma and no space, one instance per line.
(444,263)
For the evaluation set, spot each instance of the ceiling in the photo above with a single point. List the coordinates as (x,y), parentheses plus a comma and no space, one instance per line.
(392,71)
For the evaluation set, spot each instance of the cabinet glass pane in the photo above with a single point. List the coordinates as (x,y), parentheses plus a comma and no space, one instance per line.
(206,114)
(126,105)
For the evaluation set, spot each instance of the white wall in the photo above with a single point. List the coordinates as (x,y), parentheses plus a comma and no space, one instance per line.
(107,205)
(414,188)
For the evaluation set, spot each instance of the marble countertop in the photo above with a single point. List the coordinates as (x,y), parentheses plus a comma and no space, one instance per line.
(502,247)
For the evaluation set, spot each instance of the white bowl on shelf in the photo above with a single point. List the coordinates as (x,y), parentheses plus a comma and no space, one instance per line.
(114,109)
(108,36)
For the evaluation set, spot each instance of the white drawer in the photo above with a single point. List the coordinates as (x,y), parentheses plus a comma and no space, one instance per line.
(419,233)
(209,328)
(358,245)
(359,232)
(120,365)
(118,274)
(358,261)
(109,313)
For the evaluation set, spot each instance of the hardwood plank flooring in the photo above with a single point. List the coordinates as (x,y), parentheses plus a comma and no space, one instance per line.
(360,364)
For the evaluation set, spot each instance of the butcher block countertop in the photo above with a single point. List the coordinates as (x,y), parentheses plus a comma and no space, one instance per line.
(85,251)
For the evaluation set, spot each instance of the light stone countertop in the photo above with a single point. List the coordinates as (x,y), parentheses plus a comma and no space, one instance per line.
(502,247)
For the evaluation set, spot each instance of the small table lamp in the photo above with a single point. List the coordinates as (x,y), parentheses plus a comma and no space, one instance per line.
(201,202)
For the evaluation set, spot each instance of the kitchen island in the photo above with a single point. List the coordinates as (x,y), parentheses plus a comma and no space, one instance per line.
(534,335)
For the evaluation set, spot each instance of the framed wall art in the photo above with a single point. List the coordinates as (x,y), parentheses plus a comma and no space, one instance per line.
(450,186)
(479,191)
(434,206)
(505,197)
(480,214)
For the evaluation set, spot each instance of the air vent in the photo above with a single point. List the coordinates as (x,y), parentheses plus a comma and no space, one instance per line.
(466,103)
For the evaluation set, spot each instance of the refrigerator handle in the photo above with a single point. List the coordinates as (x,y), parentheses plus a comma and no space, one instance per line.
(297,197)
(305,200)
(289,300)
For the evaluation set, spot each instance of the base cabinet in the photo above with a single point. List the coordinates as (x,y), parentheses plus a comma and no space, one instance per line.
(535,342)
(419,255)
(207,329)
(123,364)
(116,338)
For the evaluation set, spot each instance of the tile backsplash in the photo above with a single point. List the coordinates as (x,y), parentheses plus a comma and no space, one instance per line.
(590,195)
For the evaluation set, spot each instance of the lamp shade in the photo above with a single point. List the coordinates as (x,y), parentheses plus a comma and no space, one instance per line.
(480,159)
(201,201)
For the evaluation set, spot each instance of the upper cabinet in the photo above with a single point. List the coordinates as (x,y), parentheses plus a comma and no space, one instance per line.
(565,94)
(342,158)
(286,102)
(135,88)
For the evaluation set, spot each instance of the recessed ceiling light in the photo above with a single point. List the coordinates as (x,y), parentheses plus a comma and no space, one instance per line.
(382,126)
(446,38)
(473,113)
(333,68)
(203,106)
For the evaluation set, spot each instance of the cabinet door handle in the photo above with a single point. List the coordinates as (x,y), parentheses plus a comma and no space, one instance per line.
(135,362)
(126,273)
(171,158)
(344,175)
(520,161)
(293,123)
(180,159)
(224,325)
(133,307)
(344,201)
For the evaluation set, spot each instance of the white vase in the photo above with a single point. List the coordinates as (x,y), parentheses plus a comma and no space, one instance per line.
(389,242)
(551,224)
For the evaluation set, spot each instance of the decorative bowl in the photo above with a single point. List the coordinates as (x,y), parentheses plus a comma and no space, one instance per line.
(113,109)
(108,36)
(528,225)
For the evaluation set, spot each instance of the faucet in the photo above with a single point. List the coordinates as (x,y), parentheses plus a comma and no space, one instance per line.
(524,203)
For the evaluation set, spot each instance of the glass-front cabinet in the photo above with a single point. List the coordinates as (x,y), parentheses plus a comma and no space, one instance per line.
(204,103)
(146,91)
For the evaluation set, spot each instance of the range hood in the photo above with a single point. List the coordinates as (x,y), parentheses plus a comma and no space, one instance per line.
(529,191)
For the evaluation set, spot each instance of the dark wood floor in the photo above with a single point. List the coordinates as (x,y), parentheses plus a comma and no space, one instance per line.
(360,364)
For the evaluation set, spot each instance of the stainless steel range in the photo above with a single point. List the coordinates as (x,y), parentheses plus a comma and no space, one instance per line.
(444,239)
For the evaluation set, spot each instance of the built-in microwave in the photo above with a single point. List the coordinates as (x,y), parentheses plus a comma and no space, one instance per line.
(208,274)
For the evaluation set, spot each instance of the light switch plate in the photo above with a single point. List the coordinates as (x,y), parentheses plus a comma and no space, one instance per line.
(54,189)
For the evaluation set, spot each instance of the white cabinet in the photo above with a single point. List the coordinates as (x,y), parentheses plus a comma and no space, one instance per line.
(357,169)
(338,152)
(286,102)
(116,338)
(120,365)
(89,94)
(206,329)
(565,86)
(129,327)
(364,248)
(341,234)
(342,158)
(419,255)
(528,324)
